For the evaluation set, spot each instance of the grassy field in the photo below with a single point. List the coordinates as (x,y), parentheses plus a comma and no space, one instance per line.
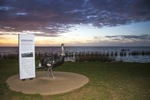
(108,81)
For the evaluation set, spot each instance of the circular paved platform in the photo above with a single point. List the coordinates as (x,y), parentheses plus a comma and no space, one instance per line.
(63,82)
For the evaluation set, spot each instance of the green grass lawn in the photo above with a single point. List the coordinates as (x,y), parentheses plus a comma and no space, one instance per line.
(108,81)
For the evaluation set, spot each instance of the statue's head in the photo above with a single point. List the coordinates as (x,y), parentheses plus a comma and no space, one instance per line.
(62,44)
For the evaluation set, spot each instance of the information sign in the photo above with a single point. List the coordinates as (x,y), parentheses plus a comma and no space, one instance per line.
(26,56)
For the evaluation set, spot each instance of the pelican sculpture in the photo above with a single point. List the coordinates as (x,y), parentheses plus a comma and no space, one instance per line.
(52,61)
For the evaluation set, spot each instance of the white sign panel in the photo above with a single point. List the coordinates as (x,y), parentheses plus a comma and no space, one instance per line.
(26,56)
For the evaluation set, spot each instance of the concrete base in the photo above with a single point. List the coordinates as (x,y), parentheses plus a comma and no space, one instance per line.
(63,82)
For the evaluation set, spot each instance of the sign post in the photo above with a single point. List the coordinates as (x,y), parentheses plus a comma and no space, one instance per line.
(26,56)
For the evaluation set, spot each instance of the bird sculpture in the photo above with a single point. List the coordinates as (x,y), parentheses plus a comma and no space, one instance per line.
(52,61)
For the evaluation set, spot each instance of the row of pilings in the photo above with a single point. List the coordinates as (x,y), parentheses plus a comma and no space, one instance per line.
(133,53)
(103,56)
(114,53)
(83,56)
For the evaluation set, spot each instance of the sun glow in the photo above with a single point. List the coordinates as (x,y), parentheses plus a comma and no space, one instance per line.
(79,36)
(9,40)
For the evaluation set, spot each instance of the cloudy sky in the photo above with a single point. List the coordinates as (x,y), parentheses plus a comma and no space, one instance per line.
(76,22)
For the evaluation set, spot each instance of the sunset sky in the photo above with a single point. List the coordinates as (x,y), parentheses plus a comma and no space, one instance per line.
(76,22)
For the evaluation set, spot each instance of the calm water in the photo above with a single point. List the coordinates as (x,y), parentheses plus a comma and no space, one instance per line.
(70,49)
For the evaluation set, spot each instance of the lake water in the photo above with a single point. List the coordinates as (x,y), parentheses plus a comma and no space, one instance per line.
(99,49)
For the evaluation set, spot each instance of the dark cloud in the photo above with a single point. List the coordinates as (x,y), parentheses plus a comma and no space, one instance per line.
(56,16)
(144,37)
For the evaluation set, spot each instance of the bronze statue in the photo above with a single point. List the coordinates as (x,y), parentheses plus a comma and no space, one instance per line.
(52,61)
